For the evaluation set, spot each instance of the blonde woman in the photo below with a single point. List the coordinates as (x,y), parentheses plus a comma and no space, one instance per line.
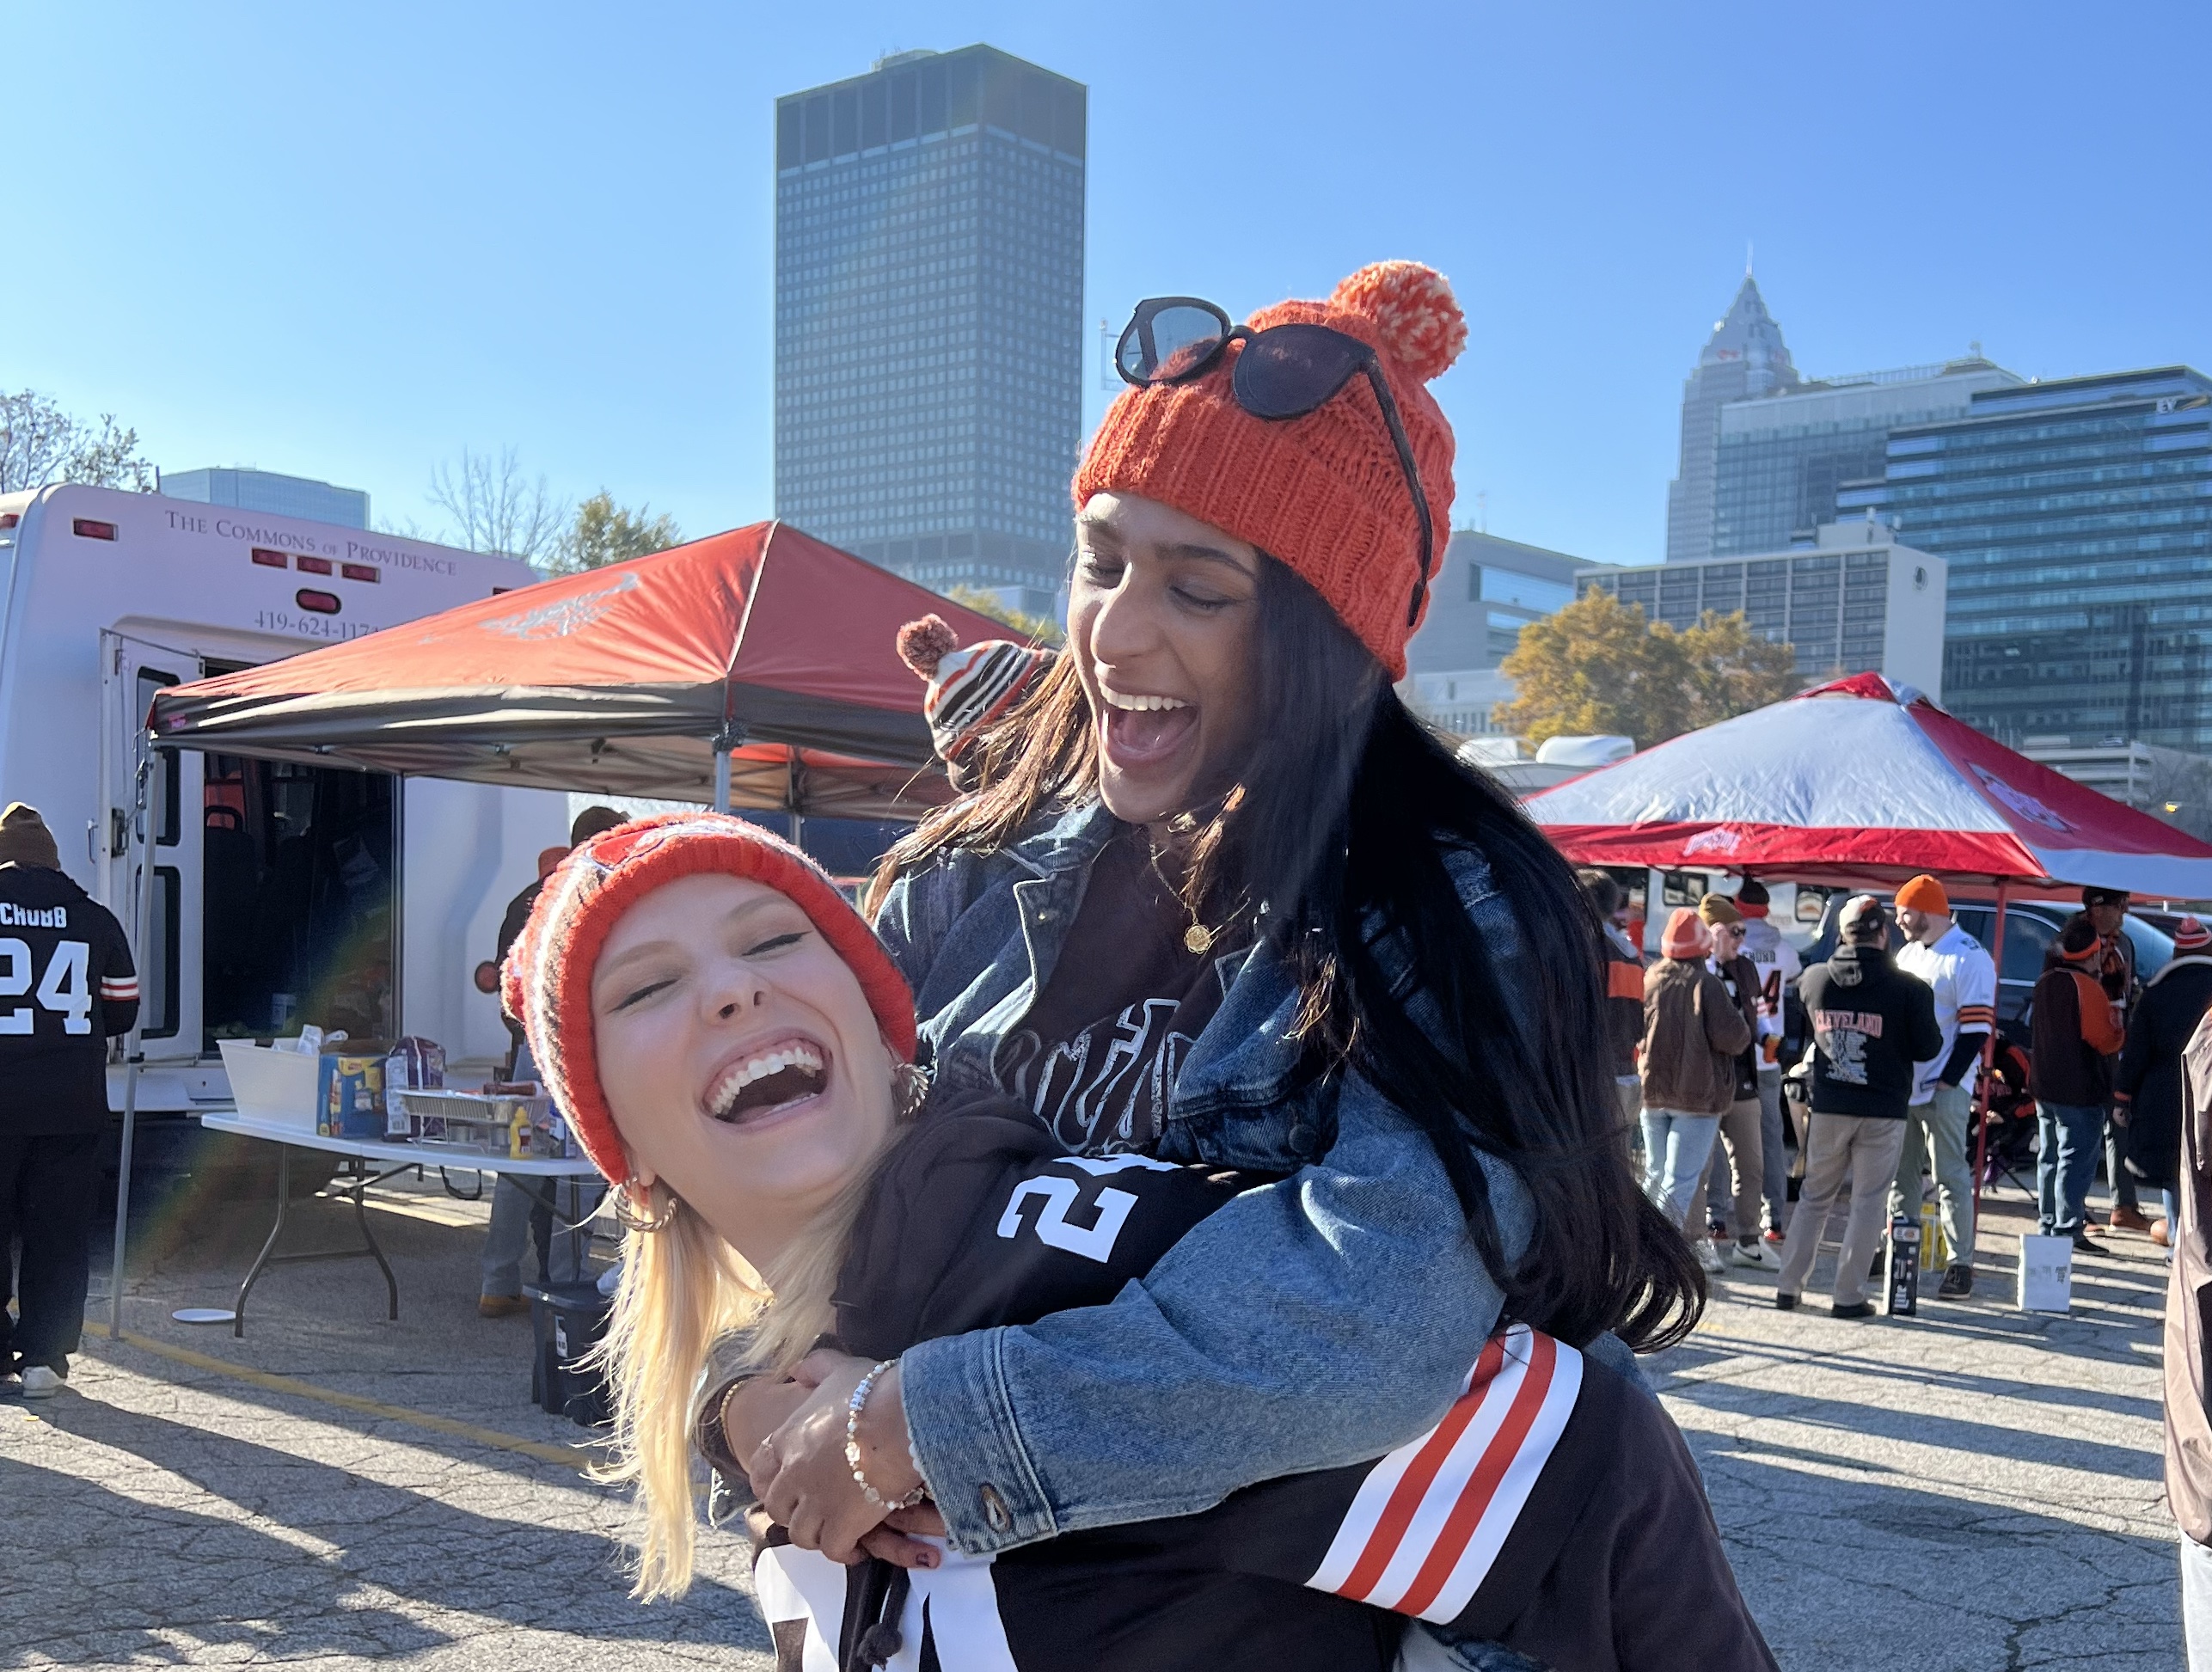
(733,1044)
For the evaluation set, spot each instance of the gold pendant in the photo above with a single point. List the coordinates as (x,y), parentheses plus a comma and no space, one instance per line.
(1199,938)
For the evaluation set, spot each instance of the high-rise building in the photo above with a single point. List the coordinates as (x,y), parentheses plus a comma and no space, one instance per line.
(1850,600)
(1782,456)
(264,490)
(1744,357)
(2076,519)
(929,317)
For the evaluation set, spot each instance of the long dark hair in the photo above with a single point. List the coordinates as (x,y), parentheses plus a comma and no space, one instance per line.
(1346,826)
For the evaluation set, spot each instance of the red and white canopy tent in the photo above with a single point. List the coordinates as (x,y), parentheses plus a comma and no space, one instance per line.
(759,668)
(1855,783)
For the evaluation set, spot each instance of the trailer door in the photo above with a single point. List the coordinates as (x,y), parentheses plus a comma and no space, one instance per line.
(168,948)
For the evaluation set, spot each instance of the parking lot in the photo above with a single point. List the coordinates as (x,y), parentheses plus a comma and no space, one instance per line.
(1975,1489)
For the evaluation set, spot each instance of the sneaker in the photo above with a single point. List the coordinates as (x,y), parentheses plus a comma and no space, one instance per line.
(40,1381)
(1957,1283)
(1854,1309)
(501,1305)
(2127,1219)
(1754,1254)
(1709,1257)
(1773,1237)
(1785,1302)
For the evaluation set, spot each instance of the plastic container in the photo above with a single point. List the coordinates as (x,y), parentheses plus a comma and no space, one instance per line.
(279,1086)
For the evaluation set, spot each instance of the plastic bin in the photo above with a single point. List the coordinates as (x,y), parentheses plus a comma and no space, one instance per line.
(566,1320)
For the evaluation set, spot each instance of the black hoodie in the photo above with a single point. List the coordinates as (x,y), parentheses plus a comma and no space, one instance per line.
(1871,1023)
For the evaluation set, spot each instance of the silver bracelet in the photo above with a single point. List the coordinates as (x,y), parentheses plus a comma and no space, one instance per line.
(852,1407)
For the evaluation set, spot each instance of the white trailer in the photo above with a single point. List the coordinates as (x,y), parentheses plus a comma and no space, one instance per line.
(284,894)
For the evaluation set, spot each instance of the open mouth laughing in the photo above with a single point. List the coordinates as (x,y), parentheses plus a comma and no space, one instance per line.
(768,1079)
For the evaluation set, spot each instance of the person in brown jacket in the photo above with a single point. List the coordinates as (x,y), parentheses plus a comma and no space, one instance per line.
(2188,1338)
(1624,987)
(1693,1031)
(1739,1157)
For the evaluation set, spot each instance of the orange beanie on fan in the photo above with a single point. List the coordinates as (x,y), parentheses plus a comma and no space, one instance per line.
(1323,494)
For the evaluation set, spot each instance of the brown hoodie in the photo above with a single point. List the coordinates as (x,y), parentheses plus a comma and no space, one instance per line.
(1693,1032)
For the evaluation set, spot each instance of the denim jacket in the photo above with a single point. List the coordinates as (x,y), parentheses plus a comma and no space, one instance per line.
(1309,1324)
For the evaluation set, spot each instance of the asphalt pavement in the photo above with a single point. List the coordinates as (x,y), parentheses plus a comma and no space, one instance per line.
(1975,1489)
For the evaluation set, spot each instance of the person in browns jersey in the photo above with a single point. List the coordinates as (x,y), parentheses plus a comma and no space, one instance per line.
(733,1044)
(67,987)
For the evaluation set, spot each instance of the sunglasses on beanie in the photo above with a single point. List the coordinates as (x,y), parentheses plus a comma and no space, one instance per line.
(1284,371)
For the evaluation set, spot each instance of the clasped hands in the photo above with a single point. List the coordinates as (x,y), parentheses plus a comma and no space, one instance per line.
(791,1433)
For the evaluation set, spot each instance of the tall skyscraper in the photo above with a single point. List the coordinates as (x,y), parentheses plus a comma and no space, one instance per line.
(929,317)
(2076,517)
(264,490)
(1744,357)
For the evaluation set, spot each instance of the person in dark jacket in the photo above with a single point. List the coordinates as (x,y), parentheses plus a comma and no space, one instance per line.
(2076,1035)
(2148,1083)
(69,964)
(1870,1024)
(1624,989)
(2106,908)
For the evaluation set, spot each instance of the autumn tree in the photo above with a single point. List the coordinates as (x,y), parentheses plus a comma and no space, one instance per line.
(604,532)
(1598,667)
(1037,629)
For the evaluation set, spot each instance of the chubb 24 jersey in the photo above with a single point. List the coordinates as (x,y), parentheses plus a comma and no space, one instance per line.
(67,986)
(1554,1508)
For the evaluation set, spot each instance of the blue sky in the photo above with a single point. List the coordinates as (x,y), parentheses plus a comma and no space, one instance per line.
(348,242)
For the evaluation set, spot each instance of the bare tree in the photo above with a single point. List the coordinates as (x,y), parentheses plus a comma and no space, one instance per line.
(40,443)
(495,509)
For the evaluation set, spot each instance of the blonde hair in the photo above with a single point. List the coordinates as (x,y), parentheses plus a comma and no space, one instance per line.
(690,1312)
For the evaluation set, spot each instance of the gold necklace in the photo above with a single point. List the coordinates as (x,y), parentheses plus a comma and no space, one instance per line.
(1197,939)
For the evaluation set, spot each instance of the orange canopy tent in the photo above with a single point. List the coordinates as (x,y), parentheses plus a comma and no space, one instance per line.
(757,669)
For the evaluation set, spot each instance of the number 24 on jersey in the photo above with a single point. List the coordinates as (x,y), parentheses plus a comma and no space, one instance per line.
(66,988)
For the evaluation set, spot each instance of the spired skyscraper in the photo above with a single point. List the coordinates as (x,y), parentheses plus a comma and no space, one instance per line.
(1745,357)
(929,317)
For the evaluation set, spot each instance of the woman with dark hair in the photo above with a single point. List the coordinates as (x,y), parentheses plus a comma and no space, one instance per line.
(1221,898)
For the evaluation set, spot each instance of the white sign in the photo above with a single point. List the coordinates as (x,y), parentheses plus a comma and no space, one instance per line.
(2046,1273)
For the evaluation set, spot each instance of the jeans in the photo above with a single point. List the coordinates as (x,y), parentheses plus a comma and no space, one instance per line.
(2197,1603)
(46,1187)
(1676,1147)
(2116,1166)
(1935,1135)
(521,1205)
(1860,1150)
(1774,1157)
(2066,1160)
(1743,1141)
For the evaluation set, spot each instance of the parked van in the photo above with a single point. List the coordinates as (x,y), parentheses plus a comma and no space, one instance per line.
(284,894)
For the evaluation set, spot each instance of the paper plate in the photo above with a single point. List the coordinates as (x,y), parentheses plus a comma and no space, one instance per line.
(205,1315)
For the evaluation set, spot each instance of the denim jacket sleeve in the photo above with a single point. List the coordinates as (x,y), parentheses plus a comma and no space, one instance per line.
(1308,1324)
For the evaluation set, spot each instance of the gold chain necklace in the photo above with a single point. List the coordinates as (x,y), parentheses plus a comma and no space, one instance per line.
(1198,939)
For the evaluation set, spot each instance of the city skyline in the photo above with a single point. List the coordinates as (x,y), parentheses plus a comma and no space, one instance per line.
(555,235)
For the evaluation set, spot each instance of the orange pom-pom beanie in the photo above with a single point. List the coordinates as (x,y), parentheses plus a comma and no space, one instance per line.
(1924,893)
(1323,494)
(547,984)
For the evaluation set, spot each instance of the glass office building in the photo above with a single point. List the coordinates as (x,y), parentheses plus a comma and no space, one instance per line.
(264,490)
(928,317)
(1781,458)
(2076,519)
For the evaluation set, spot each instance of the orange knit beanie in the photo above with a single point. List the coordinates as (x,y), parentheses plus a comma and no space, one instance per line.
(1323,494)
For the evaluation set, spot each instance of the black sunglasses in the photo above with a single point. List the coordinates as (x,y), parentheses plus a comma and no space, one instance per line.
(1283,371)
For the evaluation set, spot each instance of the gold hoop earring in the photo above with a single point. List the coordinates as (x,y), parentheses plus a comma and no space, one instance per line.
(910,1089)
(628,1216)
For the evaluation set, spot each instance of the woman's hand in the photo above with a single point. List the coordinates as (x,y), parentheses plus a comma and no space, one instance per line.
(758,1408)
(800,1473)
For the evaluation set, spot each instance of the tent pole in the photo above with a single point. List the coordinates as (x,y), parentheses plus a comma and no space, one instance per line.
(1989,1063)
(149,800)
(729,738)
